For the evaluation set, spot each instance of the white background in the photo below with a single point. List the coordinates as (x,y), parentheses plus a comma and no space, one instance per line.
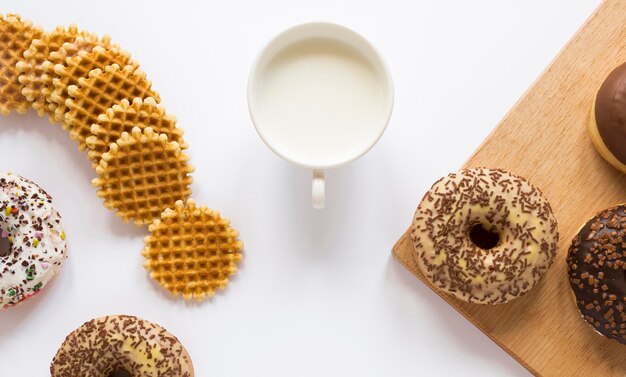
(318,292)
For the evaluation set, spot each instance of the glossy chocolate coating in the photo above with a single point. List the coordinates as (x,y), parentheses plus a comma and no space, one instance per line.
(597,272)
(611,112)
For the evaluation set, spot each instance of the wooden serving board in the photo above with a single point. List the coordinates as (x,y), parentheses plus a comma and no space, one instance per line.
(544,138)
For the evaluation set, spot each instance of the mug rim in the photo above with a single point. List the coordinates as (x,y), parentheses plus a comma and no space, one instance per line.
(377,58)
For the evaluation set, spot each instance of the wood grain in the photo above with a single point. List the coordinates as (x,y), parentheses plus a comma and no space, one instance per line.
(544,138)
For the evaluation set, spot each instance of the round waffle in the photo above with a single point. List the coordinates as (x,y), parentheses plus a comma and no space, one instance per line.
(98,92)
(192,251)
(80,66)
(16,36)
(123,117)
(142,174)
(31,67)
(67,51)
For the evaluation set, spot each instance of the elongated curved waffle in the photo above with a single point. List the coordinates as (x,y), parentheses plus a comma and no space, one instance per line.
(80,66)
(31,67)
(192,251)
(15,38)
(141,174)
(61,56)
(98,92)
(123,117)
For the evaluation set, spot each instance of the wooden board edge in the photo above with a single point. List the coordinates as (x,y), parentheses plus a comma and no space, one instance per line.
(400,253)
(403,249)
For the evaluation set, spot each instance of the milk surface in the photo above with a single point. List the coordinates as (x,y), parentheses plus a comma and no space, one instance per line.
(321,102)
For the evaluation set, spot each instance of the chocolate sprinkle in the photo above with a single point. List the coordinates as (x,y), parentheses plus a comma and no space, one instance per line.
(597,272)
(108,345)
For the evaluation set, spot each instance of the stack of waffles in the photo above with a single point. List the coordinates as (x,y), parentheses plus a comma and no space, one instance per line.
(100,95)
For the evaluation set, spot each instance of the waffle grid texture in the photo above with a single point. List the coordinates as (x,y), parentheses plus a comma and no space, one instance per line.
(31,69)
(141,174)
(123,117)
(192,251)
(16,36)
(78,67)
(106,103)
(84,42)
(97,92)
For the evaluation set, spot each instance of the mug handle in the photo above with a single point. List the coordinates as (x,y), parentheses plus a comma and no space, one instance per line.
(318,189)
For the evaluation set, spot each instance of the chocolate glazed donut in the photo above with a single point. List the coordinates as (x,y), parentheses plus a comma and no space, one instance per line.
(608,119)
(597,272)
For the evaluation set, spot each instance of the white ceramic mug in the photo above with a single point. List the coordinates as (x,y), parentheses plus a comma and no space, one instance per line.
(320,96)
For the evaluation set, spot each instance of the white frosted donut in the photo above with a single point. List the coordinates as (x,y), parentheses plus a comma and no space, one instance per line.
(36,241)
(484,235)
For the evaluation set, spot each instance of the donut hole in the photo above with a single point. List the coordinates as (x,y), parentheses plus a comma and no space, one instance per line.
(5,247)
(483,238)
(119,372)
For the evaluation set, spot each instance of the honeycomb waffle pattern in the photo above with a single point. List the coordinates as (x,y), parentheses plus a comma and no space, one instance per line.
(16,36)
(98,92)
(67,51)
(94,89)
(80,66)
(31,67)
(192,251)
(123,117)
(141,174)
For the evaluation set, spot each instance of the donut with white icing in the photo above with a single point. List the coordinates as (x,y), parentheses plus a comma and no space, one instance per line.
(34,246)
(484,235)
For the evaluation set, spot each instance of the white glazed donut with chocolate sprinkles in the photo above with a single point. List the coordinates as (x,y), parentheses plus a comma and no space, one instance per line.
(121,346)
(484,235)
(34,242)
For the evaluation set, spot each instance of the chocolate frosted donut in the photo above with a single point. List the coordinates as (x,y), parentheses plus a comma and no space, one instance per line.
(608,119)
(597,272)
(484,235)
(121,346)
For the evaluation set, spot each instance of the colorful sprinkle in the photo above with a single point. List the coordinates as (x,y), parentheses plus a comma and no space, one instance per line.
(34,233)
